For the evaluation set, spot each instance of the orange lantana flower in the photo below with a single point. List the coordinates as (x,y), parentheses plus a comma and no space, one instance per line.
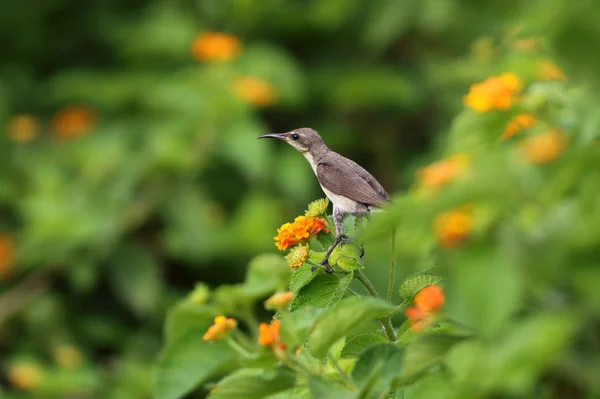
(302,229)
(543,148)
(220,329)
(442,172)
(268,334)
(25,377)
(215,46)
(279,300)
(496,92)
(518,123)
(255,91)
(23,128)
(72,122)
(452,227)
(6,255)
(427,303)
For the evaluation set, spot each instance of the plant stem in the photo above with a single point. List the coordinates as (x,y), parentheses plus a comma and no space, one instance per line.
(238,348)
(340,370)
(386,322)
(392,267)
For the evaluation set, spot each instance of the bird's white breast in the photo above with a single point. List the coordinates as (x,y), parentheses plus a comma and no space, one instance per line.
(346,205)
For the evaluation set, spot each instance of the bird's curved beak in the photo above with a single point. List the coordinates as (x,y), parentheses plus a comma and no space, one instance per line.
(280,136)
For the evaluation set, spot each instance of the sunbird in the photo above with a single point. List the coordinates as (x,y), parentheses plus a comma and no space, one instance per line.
(350,188)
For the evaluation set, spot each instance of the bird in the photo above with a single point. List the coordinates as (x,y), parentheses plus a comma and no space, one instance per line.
(350,188)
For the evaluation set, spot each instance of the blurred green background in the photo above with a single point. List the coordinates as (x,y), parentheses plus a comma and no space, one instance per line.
(130,169)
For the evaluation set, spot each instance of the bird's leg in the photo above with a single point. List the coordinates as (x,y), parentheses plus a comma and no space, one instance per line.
(338,218)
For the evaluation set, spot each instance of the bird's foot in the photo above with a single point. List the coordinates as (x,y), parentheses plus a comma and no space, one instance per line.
(324,263)
(345,239)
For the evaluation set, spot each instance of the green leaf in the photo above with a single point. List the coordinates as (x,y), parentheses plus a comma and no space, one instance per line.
(301,276)
(189,361)
(266,273)
(357,343)
(321,388)
(339,320)
(323,291)
(294,393)
(252,384)
(425,352)
(297,324)
(379,365)
(416,282)
(185,317)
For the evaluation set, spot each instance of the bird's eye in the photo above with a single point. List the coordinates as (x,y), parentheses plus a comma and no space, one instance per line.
(295,136)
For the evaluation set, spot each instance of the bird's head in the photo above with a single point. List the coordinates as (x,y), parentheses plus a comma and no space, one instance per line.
(304,139)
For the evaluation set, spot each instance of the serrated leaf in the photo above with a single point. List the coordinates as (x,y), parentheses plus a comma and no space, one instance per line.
(378,366)
(186,363)
(301,276)
(357,343)
(252,384)
(416,282)
(321,388)
(323,291)
(342,318)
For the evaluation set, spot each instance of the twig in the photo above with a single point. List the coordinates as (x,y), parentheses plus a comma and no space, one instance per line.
(386,322)
(392,267)
(341,372)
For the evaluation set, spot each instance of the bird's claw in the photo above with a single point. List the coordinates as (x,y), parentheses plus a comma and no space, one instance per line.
(325,263)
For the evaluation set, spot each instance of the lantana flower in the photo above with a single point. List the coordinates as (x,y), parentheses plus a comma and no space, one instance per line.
(23,128)
(6,255)
(279,300)
(215,46)
(297,256)
(72,122)
(452,227)
(317,208)
(222,327)
(254,90)
(543,148)
(496,92)
(518,123)
(442,172)
(302,229)
(547,70)
(426,304)
(268,335)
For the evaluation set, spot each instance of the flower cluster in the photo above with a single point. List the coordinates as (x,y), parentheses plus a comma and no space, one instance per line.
(72,122)
(518,123)
(215,46)
(6,255)
(268,335)
(496,92)
(25,377)
(452,227)
(279,300)
(255,91)
(220,329)
(426,304)
(67,356)
(297,256)
(302,229)
(543,148)
(442,172)
(317,208)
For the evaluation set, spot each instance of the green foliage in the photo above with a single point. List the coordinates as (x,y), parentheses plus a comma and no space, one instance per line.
(130,169)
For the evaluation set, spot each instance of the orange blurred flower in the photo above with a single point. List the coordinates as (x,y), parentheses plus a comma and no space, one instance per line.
(544,147)
(518,123)
(442,172)
(25,377)
(302,229)
(215,46)
(279,300)
(297,256)
(527,44)
(7,247)
(73,122)
(23,128)
(547,70)
(427,303)
(268,335)
(452,227)
(254,90)
(496,92)
(220,329)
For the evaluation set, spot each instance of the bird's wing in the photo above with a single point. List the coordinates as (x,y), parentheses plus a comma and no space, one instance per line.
(345,177)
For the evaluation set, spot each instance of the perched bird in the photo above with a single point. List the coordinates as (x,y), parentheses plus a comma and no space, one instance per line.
(350,188)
